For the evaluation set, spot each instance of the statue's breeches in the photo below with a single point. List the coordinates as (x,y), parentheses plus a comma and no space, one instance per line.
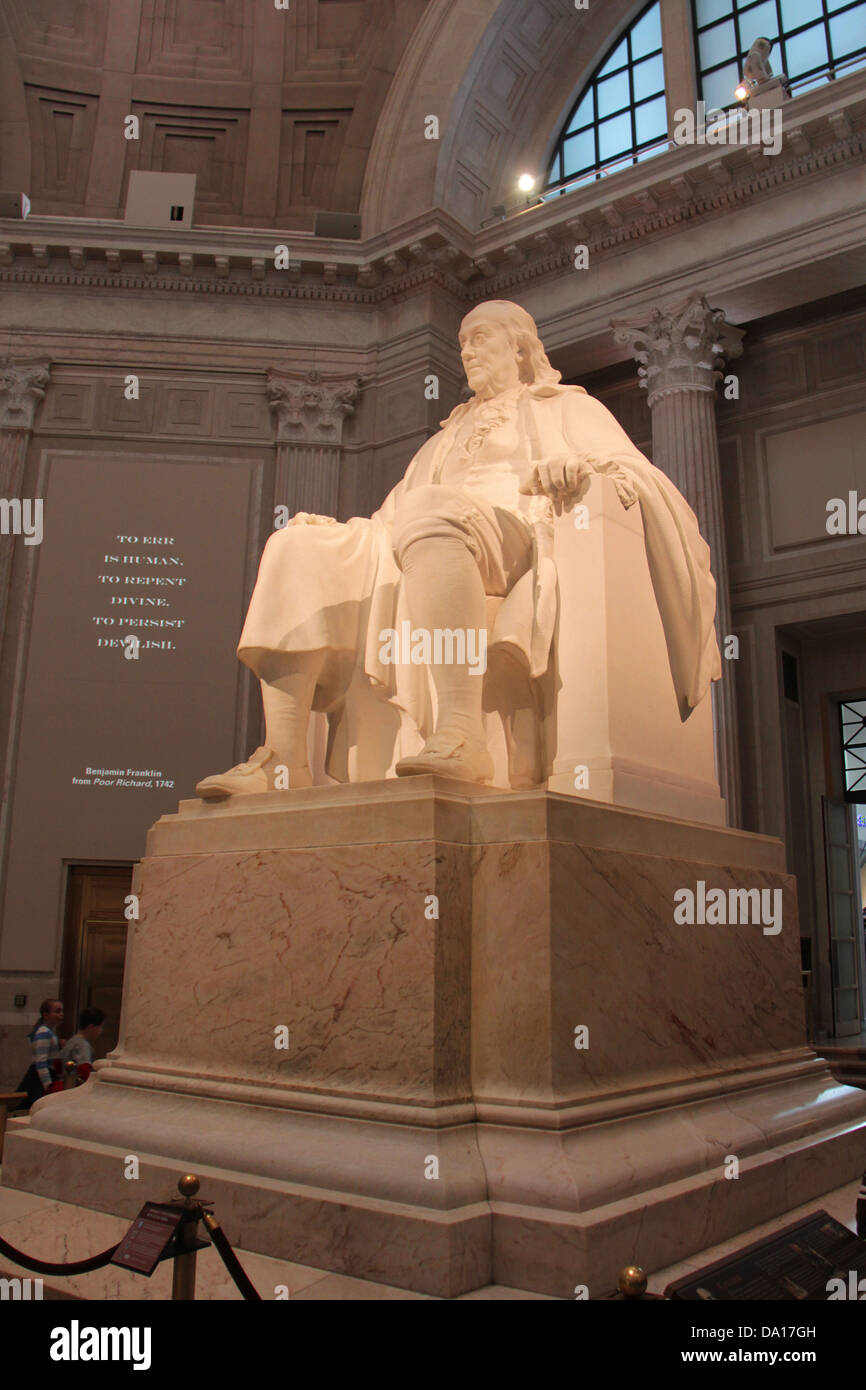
(499,540)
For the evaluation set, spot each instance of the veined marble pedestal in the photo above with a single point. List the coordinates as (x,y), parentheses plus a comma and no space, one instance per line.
(432,1123)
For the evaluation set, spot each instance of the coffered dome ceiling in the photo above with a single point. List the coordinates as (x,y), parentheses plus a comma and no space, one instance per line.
(273,110)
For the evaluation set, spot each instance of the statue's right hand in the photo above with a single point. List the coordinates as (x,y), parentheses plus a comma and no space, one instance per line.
(311,519)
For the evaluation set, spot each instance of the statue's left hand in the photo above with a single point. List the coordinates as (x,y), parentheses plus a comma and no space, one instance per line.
(564,479)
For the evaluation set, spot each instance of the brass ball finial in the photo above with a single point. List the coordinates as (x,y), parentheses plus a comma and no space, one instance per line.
(188,1185)
(632,1281)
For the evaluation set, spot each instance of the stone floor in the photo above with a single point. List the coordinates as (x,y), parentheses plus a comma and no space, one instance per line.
(57,1231)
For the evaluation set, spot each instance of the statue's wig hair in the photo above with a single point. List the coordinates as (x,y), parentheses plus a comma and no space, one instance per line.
(535,369)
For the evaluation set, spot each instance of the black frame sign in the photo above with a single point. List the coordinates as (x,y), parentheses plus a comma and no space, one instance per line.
(814,1261)
(148,1238)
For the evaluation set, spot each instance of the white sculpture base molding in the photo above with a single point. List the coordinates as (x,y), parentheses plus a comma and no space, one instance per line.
(414,1039)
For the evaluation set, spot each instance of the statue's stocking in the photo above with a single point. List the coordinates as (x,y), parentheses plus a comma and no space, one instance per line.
(444,590)
(287,696)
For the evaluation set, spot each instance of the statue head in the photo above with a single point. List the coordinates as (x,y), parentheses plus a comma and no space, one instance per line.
(500,347)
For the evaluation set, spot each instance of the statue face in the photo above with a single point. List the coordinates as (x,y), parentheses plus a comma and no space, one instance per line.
(489,359)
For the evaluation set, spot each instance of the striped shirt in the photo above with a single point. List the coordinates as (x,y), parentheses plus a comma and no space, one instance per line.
(43,1041)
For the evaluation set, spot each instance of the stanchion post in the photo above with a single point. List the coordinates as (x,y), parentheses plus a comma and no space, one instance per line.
(183,1274)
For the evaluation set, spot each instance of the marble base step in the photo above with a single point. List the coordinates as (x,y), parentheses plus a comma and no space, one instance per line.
(58,1231)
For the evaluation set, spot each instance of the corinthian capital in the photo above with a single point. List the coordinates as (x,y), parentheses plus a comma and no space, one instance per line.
(309,408)
(683,348)
(22,386)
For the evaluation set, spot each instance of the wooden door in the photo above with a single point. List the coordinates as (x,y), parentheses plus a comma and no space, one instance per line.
(95,946)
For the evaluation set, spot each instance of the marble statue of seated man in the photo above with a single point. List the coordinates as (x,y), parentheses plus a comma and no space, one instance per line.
(471,519)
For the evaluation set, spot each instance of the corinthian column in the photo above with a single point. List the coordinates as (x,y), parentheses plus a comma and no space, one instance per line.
(22,386)
(309,411)
(682,353)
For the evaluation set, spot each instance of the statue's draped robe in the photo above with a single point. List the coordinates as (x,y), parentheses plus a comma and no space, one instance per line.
(338,587)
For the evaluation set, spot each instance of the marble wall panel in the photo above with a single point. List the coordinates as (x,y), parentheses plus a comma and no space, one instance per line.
(69,406)
(841,357)
(243,414)
(799,488)
(775,375)
(118,415)
(733,498)
(167,408)
(187,410)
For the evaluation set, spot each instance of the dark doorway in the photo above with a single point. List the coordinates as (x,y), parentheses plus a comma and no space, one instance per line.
(94,948)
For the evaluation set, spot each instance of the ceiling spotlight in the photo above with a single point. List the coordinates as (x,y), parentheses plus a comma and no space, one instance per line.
(526,183)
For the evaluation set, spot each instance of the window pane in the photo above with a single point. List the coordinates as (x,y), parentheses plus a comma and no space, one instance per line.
(612,94)
(614,137)
(760,23)
(848,33)
(806,50)
(649,78)
(578,152)
(718,88)
(837,4)
(584,115)
(797,12)
(651,121)
(646,36)
(622,161)
(809,84)
(648,154)
(708,10)
(617,59)
(717,44)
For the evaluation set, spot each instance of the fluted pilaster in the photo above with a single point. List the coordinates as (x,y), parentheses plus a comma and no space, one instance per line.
(309,412)
(22,386)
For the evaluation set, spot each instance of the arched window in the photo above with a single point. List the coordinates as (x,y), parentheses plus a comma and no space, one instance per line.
(620,115)
(813,40)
